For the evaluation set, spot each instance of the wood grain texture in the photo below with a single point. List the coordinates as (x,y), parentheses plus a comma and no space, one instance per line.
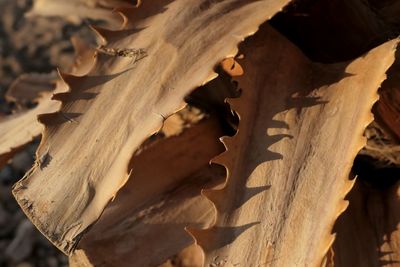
(109,113)
(144,225)
(301,126)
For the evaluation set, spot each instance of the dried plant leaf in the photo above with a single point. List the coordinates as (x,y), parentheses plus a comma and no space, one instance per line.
(76,11)
(368,233)
(301,126)
(28,87)
(144,226)
(87,145)
(21,128)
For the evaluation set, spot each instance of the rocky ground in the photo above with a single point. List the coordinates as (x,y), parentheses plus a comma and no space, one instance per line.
(27,45)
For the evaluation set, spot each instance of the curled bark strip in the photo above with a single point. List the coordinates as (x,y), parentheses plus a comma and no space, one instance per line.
(144,225)
(301,126)
(107,114)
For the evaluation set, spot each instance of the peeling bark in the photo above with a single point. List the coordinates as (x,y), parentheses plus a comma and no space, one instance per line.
(301,126)
(108,113)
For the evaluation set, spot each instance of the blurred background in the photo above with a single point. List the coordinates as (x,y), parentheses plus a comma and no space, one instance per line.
(28,45)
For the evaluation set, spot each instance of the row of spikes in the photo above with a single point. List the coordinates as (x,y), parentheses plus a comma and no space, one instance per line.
(202,237)
(71,83)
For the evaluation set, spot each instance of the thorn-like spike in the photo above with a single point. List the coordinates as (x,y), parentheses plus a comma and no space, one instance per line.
(349,184)
(214,195)
(220,159)
(126,12)
(233,102)
(58,117)
(60,96)
(202,237)
(123,16)
(102,33)
(67,78)
(147,9)
(210,77)
(227,141)
(109,36)
(370,116)
(342,206)
(67,96)
(46,118)
(206,237)
(197,234)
